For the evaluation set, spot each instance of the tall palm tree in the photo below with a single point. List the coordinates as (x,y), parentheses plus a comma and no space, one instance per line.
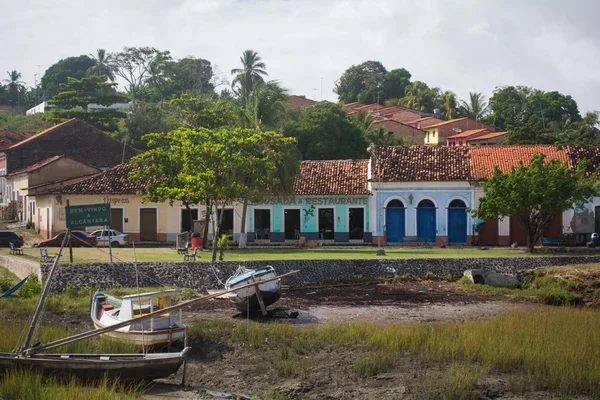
(449,104)
(476,108)
(14,85)
(265,107)
(103,64)
(252,71)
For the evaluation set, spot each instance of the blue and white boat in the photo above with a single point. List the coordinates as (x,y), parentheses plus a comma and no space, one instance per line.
(245,299)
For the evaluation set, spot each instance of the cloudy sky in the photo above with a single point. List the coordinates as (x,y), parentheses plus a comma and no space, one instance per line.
(457,45)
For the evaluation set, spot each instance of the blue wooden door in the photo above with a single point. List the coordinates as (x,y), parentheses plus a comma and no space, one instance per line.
(394,224)
(426,223)
(457,225)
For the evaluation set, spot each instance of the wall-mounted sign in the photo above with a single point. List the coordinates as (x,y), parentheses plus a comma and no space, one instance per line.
(88,215)
(116,200)
(316,200)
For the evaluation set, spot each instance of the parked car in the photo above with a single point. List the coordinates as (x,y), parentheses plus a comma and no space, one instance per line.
(79,239)
(117,238)
(11,236)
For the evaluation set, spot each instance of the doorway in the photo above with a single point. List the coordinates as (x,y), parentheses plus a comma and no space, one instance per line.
(227,223)
(291,223)
(187,223)
(426,220)
(395,217)
(116,218)
(356,223)
(262,223)
(148,228)
(326,223)
(457,222)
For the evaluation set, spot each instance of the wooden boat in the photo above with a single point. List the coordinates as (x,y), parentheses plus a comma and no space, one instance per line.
(158,332)
(90,366)
(244,289)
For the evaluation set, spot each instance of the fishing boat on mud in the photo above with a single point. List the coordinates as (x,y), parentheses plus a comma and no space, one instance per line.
(251,287)
(143,366)
(156,333)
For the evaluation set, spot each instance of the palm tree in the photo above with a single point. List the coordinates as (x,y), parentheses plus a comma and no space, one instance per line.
(476,108)
(103,65)
(14,85)
(449,104)
(265,107)
(252,71)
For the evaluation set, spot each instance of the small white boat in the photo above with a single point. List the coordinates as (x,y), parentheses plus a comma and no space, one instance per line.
(153,333)
(245,299)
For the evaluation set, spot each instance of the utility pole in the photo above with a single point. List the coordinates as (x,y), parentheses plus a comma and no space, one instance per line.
(321,88)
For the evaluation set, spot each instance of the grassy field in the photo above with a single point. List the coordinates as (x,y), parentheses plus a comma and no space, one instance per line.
(167,254)
(557,349)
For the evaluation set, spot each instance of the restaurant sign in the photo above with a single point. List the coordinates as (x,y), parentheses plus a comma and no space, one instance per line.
(316,200)
(88,215)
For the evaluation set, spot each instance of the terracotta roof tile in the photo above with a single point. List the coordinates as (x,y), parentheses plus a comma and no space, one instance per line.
(468,133)
(485,158)
(576,153)
(36,166)
(112,181)
(489,136)
(298,102)
(451,121)
(332,177)
(420,163)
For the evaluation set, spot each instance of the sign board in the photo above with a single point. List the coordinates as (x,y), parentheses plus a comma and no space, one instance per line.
(88,215)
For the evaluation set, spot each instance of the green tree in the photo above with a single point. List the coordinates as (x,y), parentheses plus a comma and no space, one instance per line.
(135,64)
(266,106)
(102,65)
(536,193)
(14,87)
(191,75)
(420,97)
(196,113)
(323,132)
(77,95)
(366,79)
(476,108)
(245,78)
(71,67)
(449,104)
(25,123)
(531,115)
(143,118)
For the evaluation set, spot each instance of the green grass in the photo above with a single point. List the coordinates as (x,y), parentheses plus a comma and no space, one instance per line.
(163,254)
(558,348)
(28,385)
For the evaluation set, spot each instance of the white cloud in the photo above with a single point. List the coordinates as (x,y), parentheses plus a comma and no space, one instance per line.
(457,45)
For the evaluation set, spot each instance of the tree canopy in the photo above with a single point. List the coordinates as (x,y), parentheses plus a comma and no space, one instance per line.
(252,72)
(323,132)
(58,73)
(536,193)
(77,95)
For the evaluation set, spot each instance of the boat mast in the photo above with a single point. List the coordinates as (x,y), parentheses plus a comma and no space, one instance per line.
(40,304)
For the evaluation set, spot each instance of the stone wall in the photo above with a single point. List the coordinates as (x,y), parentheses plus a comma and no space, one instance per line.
(196,275)
(20,266)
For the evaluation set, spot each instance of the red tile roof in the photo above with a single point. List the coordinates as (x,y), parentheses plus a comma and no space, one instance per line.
(451,121)
(420,163)
(298,102)
(468,133)
(332,178)
(36,166)
(485,158)
(112,181)
(489,136)
(577,153)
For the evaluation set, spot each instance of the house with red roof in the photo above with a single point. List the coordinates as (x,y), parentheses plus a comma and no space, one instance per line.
(437,134)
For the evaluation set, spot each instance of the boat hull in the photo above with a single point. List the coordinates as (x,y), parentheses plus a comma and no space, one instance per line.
(125,367)
(243,304)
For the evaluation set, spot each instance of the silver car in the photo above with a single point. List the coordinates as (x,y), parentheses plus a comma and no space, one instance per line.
(117,239)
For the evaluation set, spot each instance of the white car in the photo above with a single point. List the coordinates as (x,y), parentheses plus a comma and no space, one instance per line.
(117,238)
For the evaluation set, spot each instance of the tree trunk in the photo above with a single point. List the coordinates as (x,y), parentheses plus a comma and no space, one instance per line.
(243,237)
(189,210)
(206,223)
(217,231)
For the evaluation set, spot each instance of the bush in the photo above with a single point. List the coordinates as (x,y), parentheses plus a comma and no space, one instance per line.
(430,276)
(32,287)
(5,284)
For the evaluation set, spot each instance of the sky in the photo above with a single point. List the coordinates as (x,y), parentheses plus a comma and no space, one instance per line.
(457,45)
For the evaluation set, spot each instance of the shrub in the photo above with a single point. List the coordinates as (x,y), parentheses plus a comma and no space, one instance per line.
(430,276)
(31,288)
(5,284)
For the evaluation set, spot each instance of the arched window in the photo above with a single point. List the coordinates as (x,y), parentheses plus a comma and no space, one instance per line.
(426,204)
(395,204)
(457,204)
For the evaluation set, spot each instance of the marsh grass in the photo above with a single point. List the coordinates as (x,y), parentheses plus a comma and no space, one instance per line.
(558,348)
(458,383)
(28,385)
